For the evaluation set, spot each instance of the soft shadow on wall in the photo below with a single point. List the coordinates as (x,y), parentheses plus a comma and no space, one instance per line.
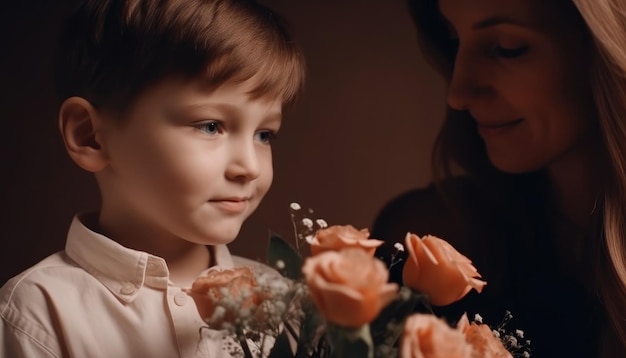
(361,134)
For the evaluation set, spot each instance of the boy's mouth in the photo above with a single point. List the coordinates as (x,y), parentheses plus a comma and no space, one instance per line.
(233,205)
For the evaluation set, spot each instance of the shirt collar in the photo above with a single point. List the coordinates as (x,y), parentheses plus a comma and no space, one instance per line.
(123,270)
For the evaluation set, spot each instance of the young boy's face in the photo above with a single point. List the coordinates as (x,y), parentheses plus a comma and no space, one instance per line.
(188,163)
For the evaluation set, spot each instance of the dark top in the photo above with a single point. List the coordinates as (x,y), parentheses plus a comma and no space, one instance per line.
(558,315)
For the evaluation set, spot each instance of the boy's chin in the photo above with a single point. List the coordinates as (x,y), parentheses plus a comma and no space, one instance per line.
(220,238)
(219,241)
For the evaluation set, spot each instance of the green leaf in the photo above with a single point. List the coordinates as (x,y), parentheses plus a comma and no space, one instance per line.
(387,327)
(309,330)
(281,348)
(350,343)
(280,251)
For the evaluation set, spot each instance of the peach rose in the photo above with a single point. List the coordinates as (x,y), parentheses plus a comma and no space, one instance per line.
(233,290)
(340,237)
(349,287)
(483,341)
(435,268)
(427,336)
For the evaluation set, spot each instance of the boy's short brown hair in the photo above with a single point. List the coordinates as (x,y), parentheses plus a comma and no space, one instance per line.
(111,50)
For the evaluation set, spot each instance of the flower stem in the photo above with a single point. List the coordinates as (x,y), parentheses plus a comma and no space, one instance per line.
(350,342)
(244,344)
(291,329)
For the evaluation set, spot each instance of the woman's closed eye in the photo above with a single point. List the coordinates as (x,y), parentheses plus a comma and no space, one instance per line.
(510,52)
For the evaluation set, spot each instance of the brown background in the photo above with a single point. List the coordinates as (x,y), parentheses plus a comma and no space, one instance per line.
(361,135)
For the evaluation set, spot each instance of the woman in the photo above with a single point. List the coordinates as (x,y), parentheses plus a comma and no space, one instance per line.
(530,165)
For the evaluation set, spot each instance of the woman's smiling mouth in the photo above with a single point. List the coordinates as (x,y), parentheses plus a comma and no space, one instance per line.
(487,129)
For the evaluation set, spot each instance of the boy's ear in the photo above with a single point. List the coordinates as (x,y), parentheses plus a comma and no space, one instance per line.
(79,124)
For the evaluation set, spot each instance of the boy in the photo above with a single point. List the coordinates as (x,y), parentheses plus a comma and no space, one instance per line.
(172,105)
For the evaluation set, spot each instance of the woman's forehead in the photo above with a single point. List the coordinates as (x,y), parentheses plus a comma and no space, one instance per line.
(477,14)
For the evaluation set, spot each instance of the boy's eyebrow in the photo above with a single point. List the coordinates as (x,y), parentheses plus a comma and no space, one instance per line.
(229,109)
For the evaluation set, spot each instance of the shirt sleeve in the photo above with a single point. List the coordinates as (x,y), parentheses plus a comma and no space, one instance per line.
(21,339)
(27,323)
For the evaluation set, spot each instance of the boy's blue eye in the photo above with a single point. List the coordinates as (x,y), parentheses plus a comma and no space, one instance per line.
(211,128)
(510,52)
(265,136)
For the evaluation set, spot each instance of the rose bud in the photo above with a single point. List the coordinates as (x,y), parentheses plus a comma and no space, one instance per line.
(427,336)
(483,341)
(435,268)
(349,287)
(339,237)
(233,291)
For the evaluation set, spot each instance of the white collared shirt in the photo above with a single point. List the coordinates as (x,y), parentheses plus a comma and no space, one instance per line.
(100,299)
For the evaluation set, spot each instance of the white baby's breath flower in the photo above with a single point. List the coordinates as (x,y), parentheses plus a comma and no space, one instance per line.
(263,279)
(310,239)
(279,287)
(231,304)
(246,293)
(224,291)
(321,223)
(307,222)
(478,318)
(244,313)
(280,307)
(399,246)
(218,314)
(295,206)
(280,264)
(301,290)
(519,333)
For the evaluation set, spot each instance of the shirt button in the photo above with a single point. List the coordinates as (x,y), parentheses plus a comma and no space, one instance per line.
(180,299)
(153,269)
(127,289)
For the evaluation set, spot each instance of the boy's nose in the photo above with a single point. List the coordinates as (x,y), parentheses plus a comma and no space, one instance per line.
(244,164)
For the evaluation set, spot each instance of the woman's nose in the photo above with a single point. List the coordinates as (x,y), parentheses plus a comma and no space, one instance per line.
(467,84)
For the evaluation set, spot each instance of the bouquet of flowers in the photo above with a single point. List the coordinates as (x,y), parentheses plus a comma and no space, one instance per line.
(337,302)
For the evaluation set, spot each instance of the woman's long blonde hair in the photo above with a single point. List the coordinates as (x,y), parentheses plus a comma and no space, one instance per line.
(606,22)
